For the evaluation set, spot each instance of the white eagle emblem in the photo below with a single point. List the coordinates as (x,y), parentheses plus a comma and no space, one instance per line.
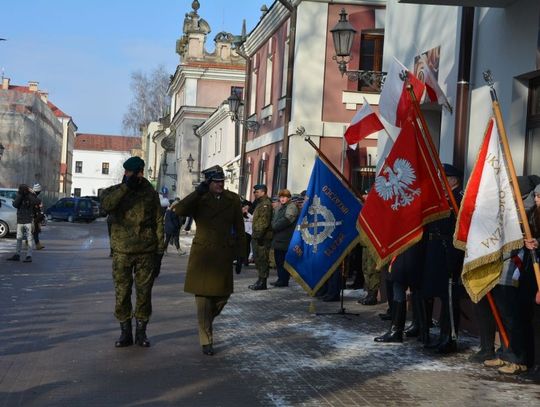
(395,183)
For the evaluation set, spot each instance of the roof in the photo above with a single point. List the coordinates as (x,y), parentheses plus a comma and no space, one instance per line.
(25,89)
(106,142)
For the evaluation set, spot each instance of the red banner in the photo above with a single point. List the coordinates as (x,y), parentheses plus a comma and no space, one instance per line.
(406,195)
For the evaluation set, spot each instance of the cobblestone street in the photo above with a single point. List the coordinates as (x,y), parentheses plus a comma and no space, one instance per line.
(58,334)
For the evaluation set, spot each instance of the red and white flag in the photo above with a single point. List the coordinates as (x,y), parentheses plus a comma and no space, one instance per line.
(433,89)
(488,224)
(364,123)
(395,103)
(406,195)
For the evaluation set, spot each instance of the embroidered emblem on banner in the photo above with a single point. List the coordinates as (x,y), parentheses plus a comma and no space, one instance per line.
(328,224)
(395,183)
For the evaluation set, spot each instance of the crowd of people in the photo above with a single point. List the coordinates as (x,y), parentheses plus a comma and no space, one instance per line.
(231,231)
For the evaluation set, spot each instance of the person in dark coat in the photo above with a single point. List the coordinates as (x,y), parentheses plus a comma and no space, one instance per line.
(283,225)
(442,270)
(25,201)
(404,273)
(218,241)
(173,224)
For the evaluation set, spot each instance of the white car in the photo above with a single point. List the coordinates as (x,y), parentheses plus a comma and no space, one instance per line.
(8,218)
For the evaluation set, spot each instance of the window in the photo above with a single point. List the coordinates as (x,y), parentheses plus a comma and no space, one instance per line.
(77,192)
(269,71)
(285,60)
(78,166)
(277,174)
(261,178)
(532,147)
(105,168)
(253,96)
(371,53)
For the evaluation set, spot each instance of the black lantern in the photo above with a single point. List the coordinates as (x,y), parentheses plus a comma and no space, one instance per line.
(190,160)
(343,35)
(164,166)
(150,172)
(2,148)
(234,103)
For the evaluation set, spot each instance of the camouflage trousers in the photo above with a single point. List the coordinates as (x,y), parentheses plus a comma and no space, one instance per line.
(126,268)
(372,277)
(261,255)
(207,309)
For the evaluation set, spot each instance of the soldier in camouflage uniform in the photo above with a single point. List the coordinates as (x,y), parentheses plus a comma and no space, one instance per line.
(137,244)
(372,278)
(262,235)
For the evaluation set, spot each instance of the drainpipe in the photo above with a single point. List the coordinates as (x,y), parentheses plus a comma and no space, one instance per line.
(463,86)
(288,96)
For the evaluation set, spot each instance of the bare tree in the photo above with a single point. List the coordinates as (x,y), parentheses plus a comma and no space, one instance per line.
(150,99)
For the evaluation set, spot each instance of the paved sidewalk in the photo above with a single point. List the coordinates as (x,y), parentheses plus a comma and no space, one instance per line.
(57,333)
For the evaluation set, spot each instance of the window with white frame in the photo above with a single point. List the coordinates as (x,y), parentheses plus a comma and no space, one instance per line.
(285,60)
(253,90)
(269,71)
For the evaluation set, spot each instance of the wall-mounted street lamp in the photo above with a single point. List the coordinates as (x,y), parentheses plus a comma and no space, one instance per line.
(343,35)
(2,149)
(164,166)
(150,171)
(190,160)
(234,108)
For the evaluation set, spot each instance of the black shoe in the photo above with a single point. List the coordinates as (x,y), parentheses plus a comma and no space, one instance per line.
(126,335)
(369,299)
(395,333)
(260,284)
(15,257)
(392,336)
(446,347)
(140,334)
(481,356)
(280,284)
(208,350)
(412,331)
(27,259)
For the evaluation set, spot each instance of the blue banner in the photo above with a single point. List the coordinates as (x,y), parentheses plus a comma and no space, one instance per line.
(326,231)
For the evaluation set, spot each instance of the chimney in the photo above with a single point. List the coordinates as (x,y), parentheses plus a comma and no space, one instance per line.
(44,96)
(5,83)
(33,86)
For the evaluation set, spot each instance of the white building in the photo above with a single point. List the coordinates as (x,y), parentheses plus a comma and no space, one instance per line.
(465,38)
(97,161)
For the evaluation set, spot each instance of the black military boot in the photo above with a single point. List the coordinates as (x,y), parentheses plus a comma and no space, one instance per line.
(370,298)
(140,334)
(448,344)
(260,284)
(126,335)
(395,333)
(423,322)
(413,330)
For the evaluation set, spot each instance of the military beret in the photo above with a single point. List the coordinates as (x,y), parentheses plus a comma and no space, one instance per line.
(134,164)
(214,173)
(452,171)
(260,186)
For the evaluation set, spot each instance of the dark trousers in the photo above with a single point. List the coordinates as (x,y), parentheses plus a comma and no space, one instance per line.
(174,238)
(279,257)
(506,298)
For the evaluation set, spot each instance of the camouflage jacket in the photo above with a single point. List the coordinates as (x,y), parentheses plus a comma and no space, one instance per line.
(136,218)
(262,219)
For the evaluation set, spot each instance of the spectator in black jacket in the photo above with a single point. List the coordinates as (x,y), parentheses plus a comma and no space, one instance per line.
(25,201)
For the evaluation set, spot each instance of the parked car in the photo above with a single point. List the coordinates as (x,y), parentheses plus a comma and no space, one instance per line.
(72,209)
(8,217)
(96,202)
(8,193)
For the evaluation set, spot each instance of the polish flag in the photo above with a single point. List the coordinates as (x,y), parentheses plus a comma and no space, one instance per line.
(364,123)
(433,89)
(395,103)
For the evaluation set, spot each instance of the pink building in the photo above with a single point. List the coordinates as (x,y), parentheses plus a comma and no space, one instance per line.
(293,82)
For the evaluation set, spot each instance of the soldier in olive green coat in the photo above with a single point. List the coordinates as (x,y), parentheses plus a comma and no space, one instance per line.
(137,244)
(262,235)
(218,241)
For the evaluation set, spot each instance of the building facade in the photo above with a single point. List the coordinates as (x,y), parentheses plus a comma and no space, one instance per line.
(293,83)
(98,159)
(32,137)
(202,81)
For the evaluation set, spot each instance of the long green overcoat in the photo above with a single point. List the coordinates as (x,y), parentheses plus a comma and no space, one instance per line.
(219,239)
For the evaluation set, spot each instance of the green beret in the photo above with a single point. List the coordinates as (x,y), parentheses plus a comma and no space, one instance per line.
(134,164)
(260,186)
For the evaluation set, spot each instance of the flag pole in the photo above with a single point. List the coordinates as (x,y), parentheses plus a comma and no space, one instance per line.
(511,169)
(435,156)
(301,132)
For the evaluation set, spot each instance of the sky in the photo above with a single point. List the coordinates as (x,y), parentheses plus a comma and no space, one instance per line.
(83,52)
